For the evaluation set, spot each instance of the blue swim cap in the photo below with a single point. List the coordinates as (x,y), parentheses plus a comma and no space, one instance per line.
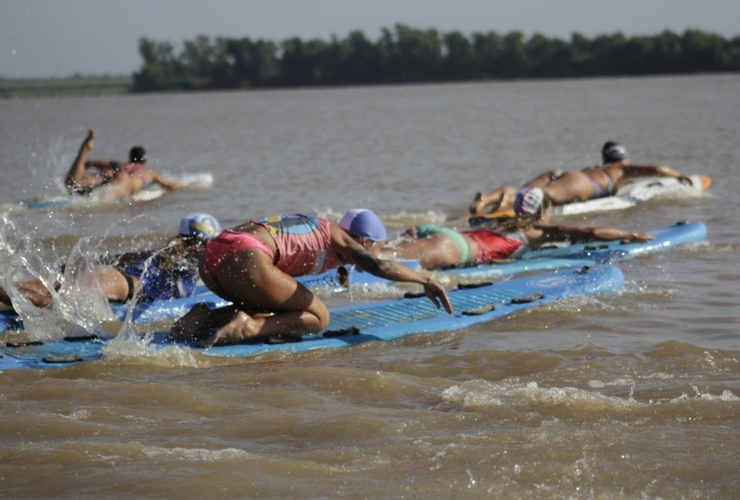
(199,226)
(363,223)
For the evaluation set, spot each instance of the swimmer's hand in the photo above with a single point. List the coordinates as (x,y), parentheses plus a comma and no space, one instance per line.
(639,237)
(437,294)
(685,179)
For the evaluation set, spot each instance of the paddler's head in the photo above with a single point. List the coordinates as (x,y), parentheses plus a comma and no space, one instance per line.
(532,203)
(365,227)
(137,154)
(611,152)
(199,226)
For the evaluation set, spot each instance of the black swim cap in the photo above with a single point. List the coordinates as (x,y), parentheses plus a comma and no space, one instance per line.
(137,155)
(612,152)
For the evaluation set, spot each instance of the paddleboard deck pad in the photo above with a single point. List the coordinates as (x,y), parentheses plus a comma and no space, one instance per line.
(356,324)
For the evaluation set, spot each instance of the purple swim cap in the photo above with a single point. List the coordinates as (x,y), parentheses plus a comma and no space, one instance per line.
(364,223)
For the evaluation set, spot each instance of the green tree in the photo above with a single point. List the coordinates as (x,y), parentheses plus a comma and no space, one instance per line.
(459,59)
(406,54)
(547,58)
(513,58)
(701,51)
(160,67)
(244,63)
(360,60)
(412,55)
(300,64)
(197,60)
(487,50)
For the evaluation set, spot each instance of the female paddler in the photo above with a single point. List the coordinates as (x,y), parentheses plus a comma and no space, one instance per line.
(253,266)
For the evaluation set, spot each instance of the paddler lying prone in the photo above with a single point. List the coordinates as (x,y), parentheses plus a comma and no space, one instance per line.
(161,274)
(492,239)
(253,266)
(109,179)
(577,185)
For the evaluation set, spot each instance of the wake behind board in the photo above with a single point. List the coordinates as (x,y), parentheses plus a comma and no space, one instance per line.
(352,325)
(150,192)
(635,191)
(665,238)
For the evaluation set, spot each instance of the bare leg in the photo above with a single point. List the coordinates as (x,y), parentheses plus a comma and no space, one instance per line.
(111,282)
(251,281)
(77,171)
(201,317)
(486,203)
(543,180)
(244,326)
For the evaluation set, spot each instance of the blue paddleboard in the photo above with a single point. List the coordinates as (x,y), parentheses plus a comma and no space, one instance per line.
(160,310)
(356,324)
(665,238)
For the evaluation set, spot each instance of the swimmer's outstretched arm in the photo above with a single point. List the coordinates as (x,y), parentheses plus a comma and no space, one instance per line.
(354,253)
(164,182)
(541,234)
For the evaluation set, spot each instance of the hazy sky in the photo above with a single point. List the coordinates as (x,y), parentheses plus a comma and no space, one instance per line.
(57,38)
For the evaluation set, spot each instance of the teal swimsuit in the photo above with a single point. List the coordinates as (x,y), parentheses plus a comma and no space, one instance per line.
(424,230)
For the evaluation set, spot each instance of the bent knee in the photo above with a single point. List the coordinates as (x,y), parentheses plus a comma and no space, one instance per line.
(322,315)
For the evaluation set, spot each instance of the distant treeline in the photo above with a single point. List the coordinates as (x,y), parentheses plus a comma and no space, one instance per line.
(407,55)
(72,86)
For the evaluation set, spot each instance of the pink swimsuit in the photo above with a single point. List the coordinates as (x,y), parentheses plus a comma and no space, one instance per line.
(304,245)
(134,168)
(227,244)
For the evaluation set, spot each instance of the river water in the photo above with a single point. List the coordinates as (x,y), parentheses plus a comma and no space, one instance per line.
(632,395)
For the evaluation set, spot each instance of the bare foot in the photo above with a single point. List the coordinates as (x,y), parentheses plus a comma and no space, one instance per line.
(88,142)
(198,318)
(477,203)
(240,328)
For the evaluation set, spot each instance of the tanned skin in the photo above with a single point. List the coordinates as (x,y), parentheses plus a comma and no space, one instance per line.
(268,302)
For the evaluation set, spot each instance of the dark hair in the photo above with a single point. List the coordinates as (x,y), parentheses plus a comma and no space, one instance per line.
(137,155)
